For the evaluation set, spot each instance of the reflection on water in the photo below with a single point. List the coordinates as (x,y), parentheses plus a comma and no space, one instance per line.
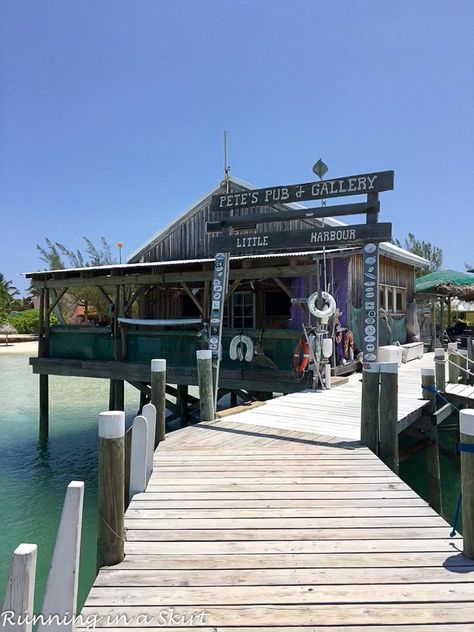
(34,477)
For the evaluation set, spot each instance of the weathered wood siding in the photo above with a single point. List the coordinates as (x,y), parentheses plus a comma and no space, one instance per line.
(187,239)
(391,273)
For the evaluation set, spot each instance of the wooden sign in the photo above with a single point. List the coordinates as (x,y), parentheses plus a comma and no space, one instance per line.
(219,289)
(315,238)
(349,185)
(370,303)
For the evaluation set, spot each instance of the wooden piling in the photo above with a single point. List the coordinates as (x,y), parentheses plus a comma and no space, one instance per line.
(453,368)
(158,398)
(182,403)
(43,407)
(470,357)
(440,370)
(428,389)
(466,429)
(111,492)
(388,427)
(462,360)
(433,468)
(206,397)
(369,430)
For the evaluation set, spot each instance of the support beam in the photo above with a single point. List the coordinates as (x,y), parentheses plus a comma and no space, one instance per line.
(188,291)
(282,286)
(388,437)
(43,407)
(182,403)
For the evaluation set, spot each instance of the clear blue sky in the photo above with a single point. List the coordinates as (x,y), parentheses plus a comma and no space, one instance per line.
(112,112)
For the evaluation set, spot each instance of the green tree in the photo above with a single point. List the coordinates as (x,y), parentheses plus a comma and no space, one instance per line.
(423,249)
(9,295)
(57,256)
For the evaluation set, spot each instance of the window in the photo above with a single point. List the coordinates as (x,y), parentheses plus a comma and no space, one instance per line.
(242,310)
(393,299)
(277,304)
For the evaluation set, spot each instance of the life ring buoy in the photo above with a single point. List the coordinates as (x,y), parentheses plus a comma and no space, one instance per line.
(301,356)
(236,348)
(322,313)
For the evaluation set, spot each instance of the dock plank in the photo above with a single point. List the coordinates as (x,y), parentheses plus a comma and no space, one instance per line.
(279,520)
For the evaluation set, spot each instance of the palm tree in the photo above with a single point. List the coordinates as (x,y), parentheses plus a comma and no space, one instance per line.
(8,293)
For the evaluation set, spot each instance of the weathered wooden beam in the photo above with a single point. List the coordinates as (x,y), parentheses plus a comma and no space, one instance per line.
(158,278)
(188,291)
(282,285)
(443,413)
(105,295)
(57,298)
(132,299)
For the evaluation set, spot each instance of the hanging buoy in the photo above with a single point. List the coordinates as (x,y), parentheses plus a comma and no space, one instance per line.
(322,313)
(327,347)
(241,348)
(301,356)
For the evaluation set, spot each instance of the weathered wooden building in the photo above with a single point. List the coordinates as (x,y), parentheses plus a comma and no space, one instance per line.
(160,300)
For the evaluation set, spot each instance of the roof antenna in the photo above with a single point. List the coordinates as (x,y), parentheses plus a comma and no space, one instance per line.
(226,166)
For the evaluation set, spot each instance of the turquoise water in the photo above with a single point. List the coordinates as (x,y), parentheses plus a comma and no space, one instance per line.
(33,478)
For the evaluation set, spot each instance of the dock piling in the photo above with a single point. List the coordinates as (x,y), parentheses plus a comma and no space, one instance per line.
(466,447)
(369,431)
(453,368)
(44,407)
(206,398)
(111,493)
(158,398)
(388,430)
(440,369)
(428,389)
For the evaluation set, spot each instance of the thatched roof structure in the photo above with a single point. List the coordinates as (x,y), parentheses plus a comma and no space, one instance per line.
(446,283)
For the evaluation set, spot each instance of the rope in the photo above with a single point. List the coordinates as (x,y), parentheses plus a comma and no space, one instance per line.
(437,392)
(456,517)
(112,531)
(466,447)
(460,367)
(460,355)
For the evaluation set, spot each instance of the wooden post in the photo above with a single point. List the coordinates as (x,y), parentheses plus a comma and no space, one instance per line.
(43,407)
(388,431)
(60,595)
(111,493)
(434,469)
(206,396)
(182,402)
(470,356)
(433,325)
(428,389)
(462,358)
(158,398)
(369,431)
(119,399)
(453,370)
(466,428)
(20,587)
(440,370)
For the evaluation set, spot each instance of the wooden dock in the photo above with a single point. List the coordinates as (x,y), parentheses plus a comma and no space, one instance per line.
(286,523)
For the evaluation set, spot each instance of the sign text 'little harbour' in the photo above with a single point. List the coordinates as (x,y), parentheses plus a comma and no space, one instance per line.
(341,236)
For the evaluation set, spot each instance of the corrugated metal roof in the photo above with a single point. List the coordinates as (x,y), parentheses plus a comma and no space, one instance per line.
(181,262)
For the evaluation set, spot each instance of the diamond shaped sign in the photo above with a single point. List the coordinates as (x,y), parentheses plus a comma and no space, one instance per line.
(320,168)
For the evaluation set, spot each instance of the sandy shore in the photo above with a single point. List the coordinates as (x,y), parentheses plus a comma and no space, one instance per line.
(26,348)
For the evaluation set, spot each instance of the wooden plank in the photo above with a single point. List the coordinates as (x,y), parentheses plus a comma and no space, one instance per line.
(298,594)
(285,576)
(320,534)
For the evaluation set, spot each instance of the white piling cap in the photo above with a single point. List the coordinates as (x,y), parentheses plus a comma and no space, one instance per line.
(388,367)
(371,367)
(204,354)
(158,366)
(466,421)
(112,424)
(452,345)
(439,353)
(428,372)
(25,549)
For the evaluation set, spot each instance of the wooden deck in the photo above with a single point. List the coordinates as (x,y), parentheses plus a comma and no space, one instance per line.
(270,528)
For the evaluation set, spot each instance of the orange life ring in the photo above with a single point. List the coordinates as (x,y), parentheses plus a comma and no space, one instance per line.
(301,356)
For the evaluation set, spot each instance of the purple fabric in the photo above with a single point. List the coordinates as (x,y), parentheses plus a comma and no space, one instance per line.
(341,287)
